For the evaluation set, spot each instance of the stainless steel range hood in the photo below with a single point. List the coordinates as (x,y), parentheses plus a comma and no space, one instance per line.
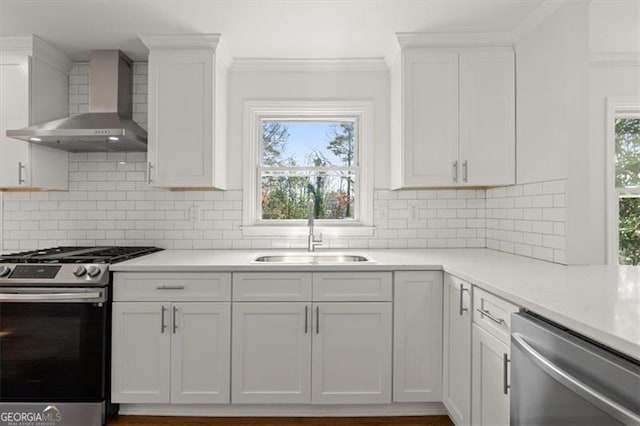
(108,125)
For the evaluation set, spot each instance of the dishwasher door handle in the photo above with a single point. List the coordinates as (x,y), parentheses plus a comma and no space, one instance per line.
(596,398)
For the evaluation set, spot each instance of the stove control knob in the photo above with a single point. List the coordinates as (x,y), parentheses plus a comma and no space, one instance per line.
(93,271)
(4,271)
(80,271)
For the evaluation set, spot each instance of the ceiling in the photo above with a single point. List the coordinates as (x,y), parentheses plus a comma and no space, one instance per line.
(290,29)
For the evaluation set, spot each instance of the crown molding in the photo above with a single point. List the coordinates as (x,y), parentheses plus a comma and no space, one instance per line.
(614,59)
(34,46)
(482,39)
(181,41)
(308,65)
(537,17)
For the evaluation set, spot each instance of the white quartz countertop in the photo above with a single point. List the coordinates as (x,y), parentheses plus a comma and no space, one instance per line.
(600,302)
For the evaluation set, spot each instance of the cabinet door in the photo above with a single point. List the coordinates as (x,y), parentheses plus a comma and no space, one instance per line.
(181,118)
(200,352)
(271,352)
(14,154)
(490,369)
(140,353)
(430,137)
(417,365)
(487,118)
(351,353)
(457,350)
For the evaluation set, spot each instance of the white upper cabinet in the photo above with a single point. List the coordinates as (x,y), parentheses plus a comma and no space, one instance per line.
(452,117)
(187,111)
(34,88)
(487,118)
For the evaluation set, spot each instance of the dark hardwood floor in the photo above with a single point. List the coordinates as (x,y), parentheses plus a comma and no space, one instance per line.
(280,421)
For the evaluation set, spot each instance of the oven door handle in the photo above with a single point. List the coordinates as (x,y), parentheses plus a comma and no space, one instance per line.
(601,401)
(49,297)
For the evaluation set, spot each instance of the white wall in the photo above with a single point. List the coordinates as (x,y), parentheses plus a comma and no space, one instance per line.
(546,62)
(614,26)
(349,85)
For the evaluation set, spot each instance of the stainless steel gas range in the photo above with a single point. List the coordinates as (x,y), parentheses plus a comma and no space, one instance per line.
(55,328)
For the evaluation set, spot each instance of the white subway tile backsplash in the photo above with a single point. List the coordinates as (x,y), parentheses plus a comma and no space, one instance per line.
(538,228)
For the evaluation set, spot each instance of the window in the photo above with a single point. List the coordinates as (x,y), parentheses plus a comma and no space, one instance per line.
(301,151)
(303,160)
(625,188)
(627,183)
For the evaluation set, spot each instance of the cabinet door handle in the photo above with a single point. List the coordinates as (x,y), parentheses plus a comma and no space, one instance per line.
(317,319)
(306,319)
(455,171)
(485,313)
(175,323)
(465,171)
(21,167)
(505,374)
(170,287)
(163,324)
(462,309)
(149,179)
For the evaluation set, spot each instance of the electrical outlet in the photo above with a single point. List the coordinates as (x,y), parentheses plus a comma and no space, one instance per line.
(194,214)
(414,213)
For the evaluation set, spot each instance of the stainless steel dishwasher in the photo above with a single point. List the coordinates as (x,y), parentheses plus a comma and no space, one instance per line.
(561,378)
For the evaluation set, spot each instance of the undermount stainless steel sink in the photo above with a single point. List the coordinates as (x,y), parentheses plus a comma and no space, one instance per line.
(312,258)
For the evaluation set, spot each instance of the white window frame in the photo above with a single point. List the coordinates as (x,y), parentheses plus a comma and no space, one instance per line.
(617,107)
(255,111)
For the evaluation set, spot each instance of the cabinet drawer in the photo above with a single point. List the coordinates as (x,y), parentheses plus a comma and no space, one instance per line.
(168,287)
(352,286)
(493,313)
(272,286)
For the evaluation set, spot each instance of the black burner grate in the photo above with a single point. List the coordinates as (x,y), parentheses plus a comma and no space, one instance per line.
(78,255)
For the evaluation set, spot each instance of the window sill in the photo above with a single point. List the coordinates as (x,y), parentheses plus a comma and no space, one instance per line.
(301,231)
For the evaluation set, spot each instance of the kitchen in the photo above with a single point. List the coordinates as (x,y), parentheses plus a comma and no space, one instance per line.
(450,214)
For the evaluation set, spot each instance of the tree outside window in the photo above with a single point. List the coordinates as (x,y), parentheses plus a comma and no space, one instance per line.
(627,183)
(302,160)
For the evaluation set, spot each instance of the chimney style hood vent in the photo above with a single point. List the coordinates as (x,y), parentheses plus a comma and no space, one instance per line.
(108,125)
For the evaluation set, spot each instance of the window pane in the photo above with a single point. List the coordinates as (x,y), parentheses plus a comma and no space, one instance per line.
(285,195)
(308,143)
(629,230)
(627,152)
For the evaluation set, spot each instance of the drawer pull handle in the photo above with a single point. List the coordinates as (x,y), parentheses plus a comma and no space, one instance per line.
(170,287)
(317,319)
(306,319)
(485,313)
(462,309)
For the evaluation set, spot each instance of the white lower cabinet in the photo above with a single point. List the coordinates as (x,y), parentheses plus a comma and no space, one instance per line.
(271,352)
(274,344)
(490,392)
(351,353)
(417,346)
(299,346)
(170,352)
(456,383)
(141,353)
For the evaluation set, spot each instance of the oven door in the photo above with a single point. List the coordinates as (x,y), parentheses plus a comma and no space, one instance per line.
(52,344)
